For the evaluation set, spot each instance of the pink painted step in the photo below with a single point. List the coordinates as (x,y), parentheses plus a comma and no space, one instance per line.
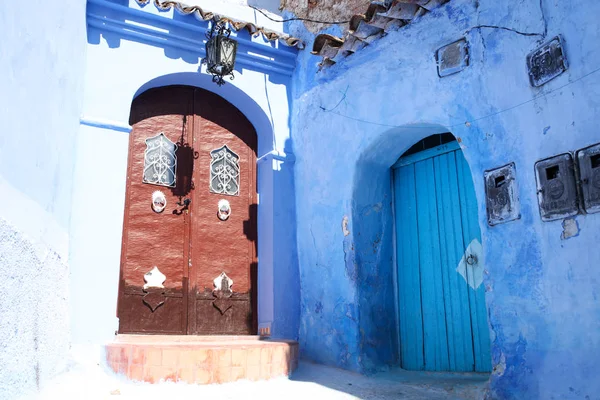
(201,359)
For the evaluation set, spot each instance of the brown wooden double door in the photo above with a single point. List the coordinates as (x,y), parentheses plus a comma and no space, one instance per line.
(207,257)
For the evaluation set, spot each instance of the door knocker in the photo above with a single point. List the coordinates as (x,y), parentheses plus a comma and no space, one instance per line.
(159,201)
(224,210)
(472,259)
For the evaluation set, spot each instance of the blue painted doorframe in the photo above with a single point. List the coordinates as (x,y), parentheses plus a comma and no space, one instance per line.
(441,310)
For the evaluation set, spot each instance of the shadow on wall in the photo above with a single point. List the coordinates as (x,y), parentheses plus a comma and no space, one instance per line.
(181,37)
(395,384)
(369,244)
(286,274)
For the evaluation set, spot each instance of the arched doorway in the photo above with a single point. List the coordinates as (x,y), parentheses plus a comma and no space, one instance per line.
(439,260)
(188,257)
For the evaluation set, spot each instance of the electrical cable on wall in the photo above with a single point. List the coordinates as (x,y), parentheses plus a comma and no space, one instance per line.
(469,121)
(299,19)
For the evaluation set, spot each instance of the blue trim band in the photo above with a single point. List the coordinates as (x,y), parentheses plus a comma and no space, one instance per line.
(105,124)
(147,34)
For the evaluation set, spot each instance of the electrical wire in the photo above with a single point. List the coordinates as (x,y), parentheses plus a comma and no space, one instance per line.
(298,18)
(468,122)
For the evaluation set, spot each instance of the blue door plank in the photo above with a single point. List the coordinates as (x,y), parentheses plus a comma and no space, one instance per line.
(443,321)
(481,334)
(458,319)
(407,256)
(426,154)
(432,291)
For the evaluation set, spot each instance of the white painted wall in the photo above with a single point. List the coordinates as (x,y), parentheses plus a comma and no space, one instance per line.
(118,69)
(42,59)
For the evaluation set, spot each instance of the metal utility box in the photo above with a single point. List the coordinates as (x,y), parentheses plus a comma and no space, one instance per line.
(452,58)
(588,161)
(556,187)
(546,62)
(501,194)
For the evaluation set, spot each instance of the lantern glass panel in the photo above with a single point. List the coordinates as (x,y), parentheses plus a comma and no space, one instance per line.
(211,53)
(227,50)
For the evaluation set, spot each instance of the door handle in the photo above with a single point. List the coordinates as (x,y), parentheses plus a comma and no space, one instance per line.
(185,205)
(471,259)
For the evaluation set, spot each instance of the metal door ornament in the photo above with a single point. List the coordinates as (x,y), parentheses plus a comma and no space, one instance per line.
(160,161)
(224,172)
(222,293)
(224,210)
(154,296)
(159,201)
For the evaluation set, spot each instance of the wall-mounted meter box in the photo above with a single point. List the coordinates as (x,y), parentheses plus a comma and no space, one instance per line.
(556,187)
(546,62)
(501,195)
(588,161)
(452,58)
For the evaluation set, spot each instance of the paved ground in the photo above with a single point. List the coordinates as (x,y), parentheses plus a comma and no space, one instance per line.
(314,382)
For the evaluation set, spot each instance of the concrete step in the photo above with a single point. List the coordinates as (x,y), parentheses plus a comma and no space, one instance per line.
(201,359)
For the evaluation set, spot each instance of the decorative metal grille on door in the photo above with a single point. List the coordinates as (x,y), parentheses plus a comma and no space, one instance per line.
(224,172)
(160,161)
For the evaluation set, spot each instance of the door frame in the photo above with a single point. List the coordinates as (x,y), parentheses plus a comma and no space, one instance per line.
(189,307)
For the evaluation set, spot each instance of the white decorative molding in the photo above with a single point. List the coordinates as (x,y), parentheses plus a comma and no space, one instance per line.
(154,278)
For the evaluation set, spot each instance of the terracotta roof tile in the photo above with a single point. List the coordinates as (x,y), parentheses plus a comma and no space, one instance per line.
(379,18)
(236,25)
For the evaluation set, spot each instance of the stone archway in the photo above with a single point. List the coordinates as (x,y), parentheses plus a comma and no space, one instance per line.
(370,245)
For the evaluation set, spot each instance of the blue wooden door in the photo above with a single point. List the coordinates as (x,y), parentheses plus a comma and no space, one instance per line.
(442,312)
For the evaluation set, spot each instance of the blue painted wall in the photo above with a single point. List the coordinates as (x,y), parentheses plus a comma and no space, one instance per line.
(349,124)
(42,59)
(352,121)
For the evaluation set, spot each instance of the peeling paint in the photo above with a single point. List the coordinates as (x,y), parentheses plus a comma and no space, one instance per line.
(570,228)
(325,10)
(349,260)
(500,366)
(345,225)
(318,307)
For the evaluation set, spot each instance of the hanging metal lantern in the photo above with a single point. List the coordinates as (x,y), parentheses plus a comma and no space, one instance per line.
(220,52)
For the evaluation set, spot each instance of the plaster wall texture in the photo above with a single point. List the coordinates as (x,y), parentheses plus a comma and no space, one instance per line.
(42,62)
(353,120)
(120,67)
(325,10)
